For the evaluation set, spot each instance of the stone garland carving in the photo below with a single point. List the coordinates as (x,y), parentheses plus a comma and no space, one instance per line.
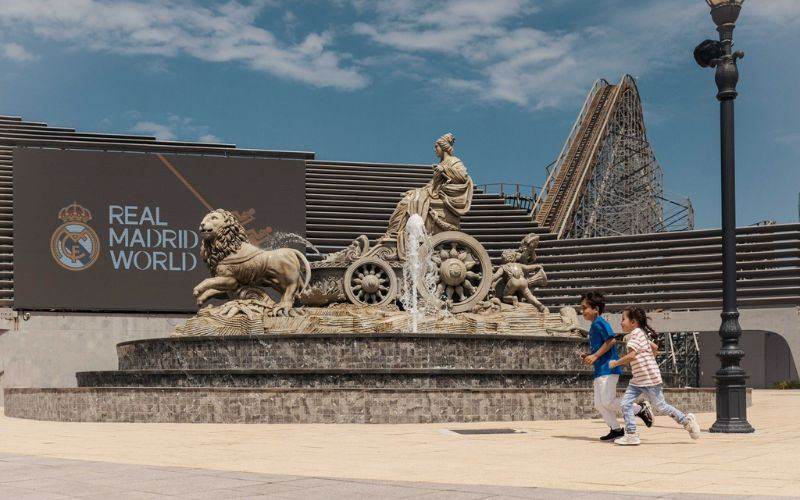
(357,249)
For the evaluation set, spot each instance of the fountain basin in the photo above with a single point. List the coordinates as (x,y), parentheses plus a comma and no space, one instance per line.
(434,378)
(333,378)
(353,351)
(320,406)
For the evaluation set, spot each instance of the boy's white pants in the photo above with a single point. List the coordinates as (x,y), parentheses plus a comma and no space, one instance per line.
(606,401)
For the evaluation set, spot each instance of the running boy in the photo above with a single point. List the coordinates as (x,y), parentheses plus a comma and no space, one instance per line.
(646,377)
(603,351)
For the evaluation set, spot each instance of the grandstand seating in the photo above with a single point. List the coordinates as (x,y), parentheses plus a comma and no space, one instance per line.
(676,270)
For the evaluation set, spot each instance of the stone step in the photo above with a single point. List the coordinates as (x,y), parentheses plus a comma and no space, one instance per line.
(346,351)
(7,127)
(663,273)
(441,378)
(18,120)
(368,179)
(557,288)
(489,242)
(763,294)
(380,194)
(622,263)
(368,168)
(320,217)
(744,243)
(493,249)
(316,406)
(386,208)
(383,188)
(334,230)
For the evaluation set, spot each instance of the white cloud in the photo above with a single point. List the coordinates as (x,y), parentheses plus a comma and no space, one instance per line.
(209,138)
(159,130)
(16,52)
(497,54)
(173,128)
(224,32)
(782,12)
(789,139)
(495,51)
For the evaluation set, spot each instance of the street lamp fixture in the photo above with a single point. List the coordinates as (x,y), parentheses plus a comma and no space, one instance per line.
(718,54)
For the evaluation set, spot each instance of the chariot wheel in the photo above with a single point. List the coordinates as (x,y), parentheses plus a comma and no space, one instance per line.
(465,270)
(370,282)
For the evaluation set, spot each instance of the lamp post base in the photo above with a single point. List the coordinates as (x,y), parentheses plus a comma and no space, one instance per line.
(732,427)
(731,406)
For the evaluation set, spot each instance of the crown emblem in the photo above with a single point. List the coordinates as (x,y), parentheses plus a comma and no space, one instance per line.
(74,213)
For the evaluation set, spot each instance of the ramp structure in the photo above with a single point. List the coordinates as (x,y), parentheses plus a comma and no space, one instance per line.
(606,180)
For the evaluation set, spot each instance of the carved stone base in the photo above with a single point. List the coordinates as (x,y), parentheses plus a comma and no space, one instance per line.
(319,406)
(521,320)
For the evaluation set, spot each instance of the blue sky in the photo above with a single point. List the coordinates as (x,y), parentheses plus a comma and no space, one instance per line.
(380,80)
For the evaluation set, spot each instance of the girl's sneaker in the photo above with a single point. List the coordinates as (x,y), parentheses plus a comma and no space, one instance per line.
(691,426)
(628,440)
(646,413)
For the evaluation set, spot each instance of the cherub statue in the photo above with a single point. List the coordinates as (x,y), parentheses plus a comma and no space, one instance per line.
(519,277)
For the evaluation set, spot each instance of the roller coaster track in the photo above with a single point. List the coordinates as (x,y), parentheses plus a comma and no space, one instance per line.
(606,180)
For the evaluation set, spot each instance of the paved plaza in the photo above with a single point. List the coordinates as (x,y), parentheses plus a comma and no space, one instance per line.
(548,459)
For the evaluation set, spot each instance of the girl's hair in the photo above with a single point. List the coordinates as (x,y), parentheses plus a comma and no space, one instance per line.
(638,315)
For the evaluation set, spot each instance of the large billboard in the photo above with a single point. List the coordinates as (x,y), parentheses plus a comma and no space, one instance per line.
(100,231)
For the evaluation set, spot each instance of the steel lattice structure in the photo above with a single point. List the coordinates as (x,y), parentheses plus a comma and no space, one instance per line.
(606,180)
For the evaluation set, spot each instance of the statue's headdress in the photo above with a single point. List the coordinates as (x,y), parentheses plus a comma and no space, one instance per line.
(446,142)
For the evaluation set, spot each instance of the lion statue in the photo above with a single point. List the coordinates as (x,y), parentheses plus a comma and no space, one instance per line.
(236,263)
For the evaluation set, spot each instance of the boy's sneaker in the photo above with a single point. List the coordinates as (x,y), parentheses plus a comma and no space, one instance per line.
(646,413)
(691,426)
(628,440)
(614,434)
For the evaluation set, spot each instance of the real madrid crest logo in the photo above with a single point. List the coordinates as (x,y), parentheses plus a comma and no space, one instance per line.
(75,245)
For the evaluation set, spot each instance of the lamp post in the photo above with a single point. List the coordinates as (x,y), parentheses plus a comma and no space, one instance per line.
(731,389)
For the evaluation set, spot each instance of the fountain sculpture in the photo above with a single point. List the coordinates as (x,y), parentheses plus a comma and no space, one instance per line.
(358,288)
(417,327)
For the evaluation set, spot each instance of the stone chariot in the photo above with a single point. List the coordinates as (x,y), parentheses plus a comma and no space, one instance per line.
(423,253)
(366,276)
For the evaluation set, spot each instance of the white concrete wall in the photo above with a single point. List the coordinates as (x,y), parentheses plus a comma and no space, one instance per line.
(47,349)
(784,321)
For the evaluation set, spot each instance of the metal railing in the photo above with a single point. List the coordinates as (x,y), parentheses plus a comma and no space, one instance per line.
(516,195)
(562,155)
(679,356)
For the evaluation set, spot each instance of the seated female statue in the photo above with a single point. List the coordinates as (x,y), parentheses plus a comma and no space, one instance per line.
(441,202)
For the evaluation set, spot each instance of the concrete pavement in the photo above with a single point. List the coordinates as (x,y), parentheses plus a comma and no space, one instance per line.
(560,458)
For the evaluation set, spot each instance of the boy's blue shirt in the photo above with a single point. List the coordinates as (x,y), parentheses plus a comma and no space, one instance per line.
(599,333)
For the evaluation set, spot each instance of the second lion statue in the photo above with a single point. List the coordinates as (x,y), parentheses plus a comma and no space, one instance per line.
(236,263)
